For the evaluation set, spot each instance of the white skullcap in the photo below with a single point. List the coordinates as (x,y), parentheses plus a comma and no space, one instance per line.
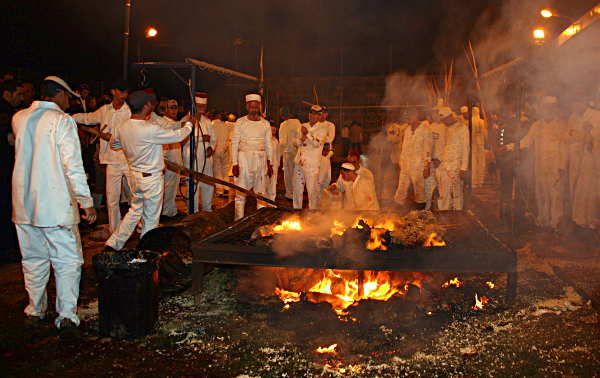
(549,100)
(445,112)
(56,82)
(201,98)
(348,166)
(252,97)
(464,109)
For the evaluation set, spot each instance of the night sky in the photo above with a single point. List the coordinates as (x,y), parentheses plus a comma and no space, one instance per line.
(300,38)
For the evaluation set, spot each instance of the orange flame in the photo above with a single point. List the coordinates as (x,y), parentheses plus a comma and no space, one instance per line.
(329,349)
(376,240)
(287,296)
(287,226)
(454,282)
(490,284)
(434,240)
(338,228)
(480,303)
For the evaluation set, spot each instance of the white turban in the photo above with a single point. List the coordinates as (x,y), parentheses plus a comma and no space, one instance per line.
(252,97)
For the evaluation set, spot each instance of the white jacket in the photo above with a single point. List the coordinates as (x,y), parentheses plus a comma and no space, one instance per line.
(251,136)
(480,134)
(48,177)
(363,196)
(207,129)
(142,142)
(287,133)
(106,115)
(172,151)
(310,151)
(438,132)
(456,150)
(330,127)
(223,132)
(416,147)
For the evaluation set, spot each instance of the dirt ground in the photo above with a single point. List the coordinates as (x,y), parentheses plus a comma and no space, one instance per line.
(241,329)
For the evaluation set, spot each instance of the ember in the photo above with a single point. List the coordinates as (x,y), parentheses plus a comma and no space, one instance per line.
(329,349)
(454,282)
(490,284)
(480,303)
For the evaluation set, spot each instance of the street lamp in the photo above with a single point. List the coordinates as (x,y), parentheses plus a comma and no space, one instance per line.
(150,34)
(546,13)
(538,34)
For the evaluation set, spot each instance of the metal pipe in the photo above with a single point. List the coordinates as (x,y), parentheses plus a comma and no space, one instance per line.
(126,38)
(192,142)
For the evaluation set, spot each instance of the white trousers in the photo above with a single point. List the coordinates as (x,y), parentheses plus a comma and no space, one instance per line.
(451,191)
(114,181)
(221,163)
(324,182)
(549,192)
(61,248)
(420,185)
(171,187)
(308,176)
(436,182)
(584,189)
(253,176)
(478,162)
(288,173)
(146,204)
(272,184)
(204,191)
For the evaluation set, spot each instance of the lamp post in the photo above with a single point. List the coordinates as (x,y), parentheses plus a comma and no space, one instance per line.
(547,14)
(150,34)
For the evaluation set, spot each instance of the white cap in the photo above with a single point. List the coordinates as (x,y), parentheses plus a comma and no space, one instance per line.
(348,166)
(252,97)
(58,83)
(464,109)
(445,112)
(201,98)
(549,100)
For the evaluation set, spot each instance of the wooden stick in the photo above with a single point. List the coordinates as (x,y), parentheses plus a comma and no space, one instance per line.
(316,97)
(213,180)
(474,62)
(471,65)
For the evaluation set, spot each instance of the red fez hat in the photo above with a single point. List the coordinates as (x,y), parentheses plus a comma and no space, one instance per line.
(149,91)
(200,95)
(354,152)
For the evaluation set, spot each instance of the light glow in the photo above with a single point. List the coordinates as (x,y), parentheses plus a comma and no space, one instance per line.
(539,34)
(152,33)
(546,13)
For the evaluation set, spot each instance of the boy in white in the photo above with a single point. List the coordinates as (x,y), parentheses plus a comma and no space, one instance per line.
(272,185)
(222,157)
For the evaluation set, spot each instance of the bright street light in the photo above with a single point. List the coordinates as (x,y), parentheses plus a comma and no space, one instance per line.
(152,32)
(546,13)
(539,34)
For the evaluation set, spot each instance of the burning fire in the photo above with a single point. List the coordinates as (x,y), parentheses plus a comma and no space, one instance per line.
(376,240)
(490,284)
(480,303)
(329,349)
(288,226)
(434,241)
(350,368)
(342,289)
(454,282)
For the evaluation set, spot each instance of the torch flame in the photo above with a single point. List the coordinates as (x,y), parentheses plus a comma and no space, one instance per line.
(480,303)
(329,349)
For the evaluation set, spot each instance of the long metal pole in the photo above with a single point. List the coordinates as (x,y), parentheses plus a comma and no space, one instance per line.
(126,38)
(192,142)
(517,188)
(470,177)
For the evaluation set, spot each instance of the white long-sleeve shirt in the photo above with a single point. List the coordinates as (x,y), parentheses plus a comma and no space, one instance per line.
(172,151)
(310,151)
(287,133)
(207,129)
(223,132)
(275,162)
(456,150)
(251,136)
(438,131)
(48,178)
(142,143)
(106,115)
(330,127)
(416,147)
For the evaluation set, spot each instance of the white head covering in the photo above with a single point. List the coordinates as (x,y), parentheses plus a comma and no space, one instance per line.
(464,109)
(475,112)
(348,166)
(252,97)
(58,83)
(201,98)
(445,112)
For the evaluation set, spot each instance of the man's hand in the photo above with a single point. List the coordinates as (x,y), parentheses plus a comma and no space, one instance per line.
(206,138)
(106,136)
(333,189)
(426,172)
(304,130)
(303,138)
(269,169)
(462,174)
(90,214)
(436,163)
(209,152)
(587,127)
(501,150)
(236,170)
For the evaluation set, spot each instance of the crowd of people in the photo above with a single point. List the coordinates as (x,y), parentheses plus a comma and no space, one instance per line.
(65,150)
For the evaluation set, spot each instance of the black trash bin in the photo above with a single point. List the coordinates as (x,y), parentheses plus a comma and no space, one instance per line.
(127,294)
